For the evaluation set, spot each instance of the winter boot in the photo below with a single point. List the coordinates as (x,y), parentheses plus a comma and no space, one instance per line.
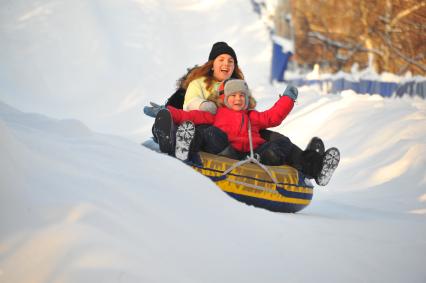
(316,144)
(184,136)
(330,162)
(163,131)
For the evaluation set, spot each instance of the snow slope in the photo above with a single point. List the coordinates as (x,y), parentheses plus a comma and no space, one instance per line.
(99,61)
(82,201)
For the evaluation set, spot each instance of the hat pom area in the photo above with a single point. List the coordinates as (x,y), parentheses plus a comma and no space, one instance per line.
(222,47)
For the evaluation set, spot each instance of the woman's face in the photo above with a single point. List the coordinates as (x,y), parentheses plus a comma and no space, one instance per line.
(223,67)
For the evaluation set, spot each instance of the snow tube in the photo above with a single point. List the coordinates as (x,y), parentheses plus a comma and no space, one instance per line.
(252,185)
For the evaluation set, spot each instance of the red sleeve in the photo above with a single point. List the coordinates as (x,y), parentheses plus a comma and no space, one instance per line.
(196,116)
(275,115)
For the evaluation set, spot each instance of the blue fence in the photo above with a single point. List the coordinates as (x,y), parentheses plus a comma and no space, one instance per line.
(386,89)
(412,88)
(364,86)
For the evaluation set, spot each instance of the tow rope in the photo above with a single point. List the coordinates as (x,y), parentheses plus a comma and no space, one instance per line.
(251,159)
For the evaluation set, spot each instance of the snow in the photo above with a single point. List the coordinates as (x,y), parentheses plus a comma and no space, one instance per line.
(82,201)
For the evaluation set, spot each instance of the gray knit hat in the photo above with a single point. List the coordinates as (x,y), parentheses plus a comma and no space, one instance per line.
(232,86)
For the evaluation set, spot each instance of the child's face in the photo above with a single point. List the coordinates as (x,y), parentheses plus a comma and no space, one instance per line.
(237,101)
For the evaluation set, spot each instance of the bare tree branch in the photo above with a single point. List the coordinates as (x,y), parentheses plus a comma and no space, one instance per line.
(405,13)
(338,44)
(407,65)
(402,55)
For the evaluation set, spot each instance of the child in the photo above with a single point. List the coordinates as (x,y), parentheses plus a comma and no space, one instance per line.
(235,124)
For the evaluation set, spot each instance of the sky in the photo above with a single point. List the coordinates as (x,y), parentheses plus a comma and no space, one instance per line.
(82,201)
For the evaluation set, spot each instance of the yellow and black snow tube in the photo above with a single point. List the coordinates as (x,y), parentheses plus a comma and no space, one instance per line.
(252,185)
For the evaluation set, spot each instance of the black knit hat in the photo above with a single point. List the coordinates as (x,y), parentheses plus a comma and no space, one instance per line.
(222,48)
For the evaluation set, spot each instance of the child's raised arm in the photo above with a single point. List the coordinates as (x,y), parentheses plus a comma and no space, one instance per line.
(276,114)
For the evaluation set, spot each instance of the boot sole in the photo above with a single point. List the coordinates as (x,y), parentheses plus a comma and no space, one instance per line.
(184,136)
(330,162)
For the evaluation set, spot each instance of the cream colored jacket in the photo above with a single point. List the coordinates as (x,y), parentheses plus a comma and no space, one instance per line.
(197,93)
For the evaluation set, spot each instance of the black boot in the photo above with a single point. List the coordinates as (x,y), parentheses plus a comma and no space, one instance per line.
(163,131)
(316,144)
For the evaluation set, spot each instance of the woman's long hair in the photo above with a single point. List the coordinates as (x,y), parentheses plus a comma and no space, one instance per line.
(206,71)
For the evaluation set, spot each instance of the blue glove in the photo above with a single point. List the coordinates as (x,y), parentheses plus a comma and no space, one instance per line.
(152,110)
(291,91)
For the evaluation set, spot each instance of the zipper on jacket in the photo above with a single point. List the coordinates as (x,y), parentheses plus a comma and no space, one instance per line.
(242,122)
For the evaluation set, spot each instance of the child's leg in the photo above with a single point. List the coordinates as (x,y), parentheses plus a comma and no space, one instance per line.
(269,135)
(191,139)
(309,162)
(214,140)
(275,152)
(313,161)
(282,151)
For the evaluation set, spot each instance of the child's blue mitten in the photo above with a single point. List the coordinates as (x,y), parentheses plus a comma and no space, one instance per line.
(291,91)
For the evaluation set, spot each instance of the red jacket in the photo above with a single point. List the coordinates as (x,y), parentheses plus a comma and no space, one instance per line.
(234,123)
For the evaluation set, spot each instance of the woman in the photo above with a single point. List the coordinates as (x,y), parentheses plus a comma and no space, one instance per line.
(202,82)
(199,85)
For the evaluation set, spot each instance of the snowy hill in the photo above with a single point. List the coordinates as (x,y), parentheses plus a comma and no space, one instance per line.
(82,201)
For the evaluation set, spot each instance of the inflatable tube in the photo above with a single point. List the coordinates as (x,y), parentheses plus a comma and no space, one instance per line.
(252,185)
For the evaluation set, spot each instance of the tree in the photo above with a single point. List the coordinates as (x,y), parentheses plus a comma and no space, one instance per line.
(389,34)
